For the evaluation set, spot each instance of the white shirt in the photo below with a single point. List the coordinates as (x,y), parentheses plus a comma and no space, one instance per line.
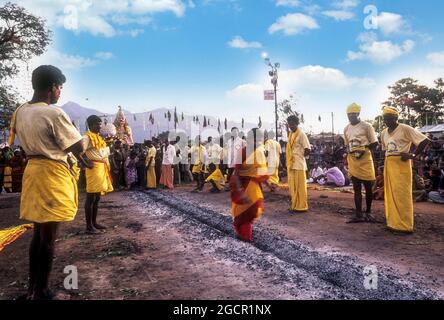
(235,151)
(317,172)
(195,155)
(214,152)
(168,155)
(45,130)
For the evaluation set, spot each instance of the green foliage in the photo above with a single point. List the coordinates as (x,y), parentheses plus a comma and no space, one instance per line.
(418,104)
(22,36)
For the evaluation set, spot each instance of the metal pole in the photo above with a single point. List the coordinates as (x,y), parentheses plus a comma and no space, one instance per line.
(276,109)
(332,127)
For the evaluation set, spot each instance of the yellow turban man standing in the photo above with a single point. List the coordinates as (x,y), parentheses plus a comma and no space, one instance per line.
(396,141)
(98,178)
(298,148)
(360,139)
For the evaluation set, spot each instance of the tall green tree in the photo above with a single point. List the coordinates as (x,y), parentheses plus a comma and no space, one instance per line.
(286,108)
(22,37)
(418,104)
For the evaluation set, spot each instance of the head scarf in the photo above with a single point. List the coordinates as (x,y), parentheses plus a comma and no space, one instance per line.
(354,108)
(390,111)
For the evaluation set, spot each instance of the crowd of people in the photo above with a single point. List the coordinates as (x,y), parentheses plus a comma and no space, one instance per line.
(140,166)
(51,164)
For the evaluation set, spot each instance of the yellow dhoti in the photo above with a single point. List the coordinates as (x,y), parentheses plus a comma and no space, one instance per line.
(7,177)
(8,236)
(363,168)
(98,179)
(273,175)
(218,178)
(49,192)
(398,197)
(198,168)
(151,179)
(297,184)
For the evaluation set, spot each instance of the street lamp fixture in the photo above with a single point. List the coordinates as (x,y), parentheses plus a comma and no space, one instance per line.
(273,73)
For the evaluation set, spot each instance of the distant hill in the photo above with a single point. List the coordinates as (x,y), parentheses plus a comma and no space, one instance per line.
(142,127)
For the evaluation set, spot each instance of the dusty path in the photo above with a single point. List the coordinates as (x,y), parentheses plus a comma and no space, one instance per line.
(325,275)
(324,229)
(175,246)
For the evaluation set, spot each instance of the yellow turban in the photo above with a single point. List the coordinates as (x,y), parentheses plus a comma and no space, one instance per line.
(354,108)
(390,110)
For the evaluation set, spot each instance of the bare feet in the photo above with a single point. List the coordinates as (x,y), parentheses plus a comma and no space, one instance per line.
(370,218)
(99,227)
(357,219)
(91,230)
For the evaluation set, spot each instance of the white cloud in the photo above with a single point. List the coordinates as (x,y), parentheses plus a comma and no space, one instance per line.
(154,6)
(135,32)
(101,17)
(104,55)
(71,62)
(312,9)
(379,52)
(288,3)
(191,4)
(339,15)
(318,78)
(346,4)
(313,78)
(436,58)
(293,23)
(318,90)
(66,61)
(390,23)
(239,43)
(246,91)
(122,20)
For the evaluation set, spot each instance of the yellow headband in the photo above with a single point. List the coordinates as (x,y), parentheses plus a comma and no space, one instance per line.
(354,108)
(390,110)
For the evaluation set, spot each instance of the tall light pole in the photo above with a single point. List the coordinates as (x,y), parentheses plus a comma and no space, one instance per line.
(273,73)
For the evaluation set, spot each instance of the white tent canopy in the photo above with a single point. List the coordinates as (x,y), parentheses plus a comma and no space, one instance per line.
(433,129)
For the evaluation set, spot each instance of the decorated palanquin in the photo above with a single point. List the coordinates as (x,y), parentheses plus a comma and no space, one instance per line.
(123,130)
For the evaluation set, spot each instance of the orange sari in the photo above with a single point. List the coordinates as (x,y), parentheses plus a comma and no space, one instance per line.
(251,173)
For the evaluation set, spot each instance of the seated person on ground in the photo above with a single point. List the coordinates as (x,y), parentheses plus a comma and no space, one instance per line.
(216,178)
(332,177)
(438,196)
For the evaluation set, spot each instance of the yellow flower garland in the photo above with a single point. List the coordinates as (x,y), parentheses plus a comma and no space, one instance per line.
(96,140)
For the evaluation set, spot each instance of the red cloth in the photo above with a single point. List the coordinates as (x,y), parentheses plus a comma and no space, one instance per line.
(244,231)
(166,177)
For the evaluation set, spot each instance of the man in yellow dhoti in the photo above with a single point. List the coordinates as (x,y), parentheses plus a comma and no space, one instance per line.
(214,158)
(216,178)
(298,148)
(396,141)
(360,140)
(49,192)
(151,179)
(98,178)
(273,152)
(198,161)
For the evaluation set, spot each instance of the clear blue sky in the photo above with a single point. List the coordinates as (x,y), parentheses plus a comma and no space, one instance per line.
(204,56)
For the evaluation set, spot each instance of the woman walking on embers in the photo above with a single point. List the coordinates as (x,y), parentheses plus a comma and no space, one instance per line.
(246,195)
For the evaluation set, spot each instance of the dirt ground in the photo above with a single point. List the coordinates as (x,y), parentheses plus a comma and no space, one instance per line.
(155,251)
